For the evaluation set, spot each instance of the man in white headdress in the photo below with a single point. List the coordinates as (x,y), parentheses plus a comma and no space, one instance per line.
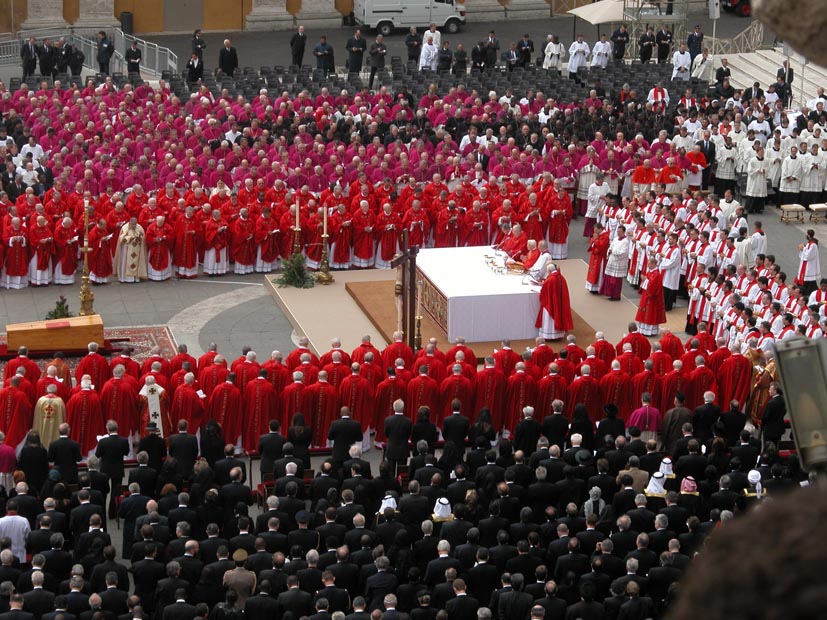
(442,510)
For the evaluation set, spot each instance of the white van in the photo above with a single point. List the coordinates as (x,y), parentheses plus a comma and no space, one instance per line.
(386,15)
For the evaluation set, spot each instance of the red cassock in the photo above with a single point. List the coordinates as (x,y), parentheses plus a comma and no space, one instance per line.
(521,391)
(672,383)
(735,379)
(436,369)
(387,392)
(32,369)
(459,387)
(216,234)
(62,389)
(341,236)
(277,374)
(506,359)
(187,405)
(558,226)
(356,393)
(146,366)
(327,358)
(17,254)
(320,405)
(177,362)
(489,391)
(291,402)
(118,399)
(260,406)
(418,226)
(396,350)
(585,390)
(132,368)
(94,365)
(187,243)
(224,406)
(314,229)
(640,345)
(15,415)
(27,387)
(702,380)
(597,367)
(294,358)
(672,346)
(42,245)
(363,225)
(243,243)
(598,249)
(267,238)
(66,250)
(662,362)
(651,309)
(211,377)
(630,363)
(604,351)
(447,231)
(616,388)
(422,391)
(336,373)
(477,226)
(100,253)
(717,359)
(84,415)
(388,226)
(159,243)
(244,373)
(554,299)
(550,388)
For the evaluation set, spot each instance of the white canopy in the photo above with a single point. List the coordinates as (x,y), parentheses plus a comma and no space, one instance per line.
(603,12)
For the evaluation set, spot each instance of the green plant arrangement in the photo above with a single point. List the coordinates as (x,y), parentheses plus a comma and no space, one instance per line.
(295,272)
(61,310)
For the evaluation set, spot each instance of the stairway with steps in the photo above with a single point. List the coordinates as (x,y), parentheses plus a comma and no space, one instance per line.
(762,65)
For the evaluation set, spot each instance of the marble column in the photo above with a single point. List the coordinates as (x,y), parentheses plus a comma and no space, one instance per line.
(319,14)
(96,15)
(269,15)
(44,14)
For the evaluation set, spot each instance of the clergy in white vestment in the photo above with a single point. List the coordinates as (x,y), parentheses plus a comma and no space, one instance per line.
(578,53)
(617,265)
(601,52)
(681,64)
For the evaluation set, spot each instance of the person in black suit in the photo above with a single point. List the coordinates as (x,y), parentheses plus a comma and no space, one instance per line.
(556,426)
(344,432)
(179,609)
(455,426)
(82,516)
(262,606)
(234,493)
(772,419)
(28,53)
(183,447)
(223,466)
(155,446)
(16,609)
(64,453)
(270,447)
(398,428)
(38,600)
(294,603)
(111,451)
(297,44)
(227,59)
(130,509)
(527,432)
(195,69)
(746,451)
(113,599)
(435,571)
(145,476)
(462,606)
(146,573)
(381,583)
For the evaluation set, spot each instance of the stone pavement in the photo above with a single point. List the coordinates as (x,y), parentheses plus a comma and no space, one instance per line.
(271,48)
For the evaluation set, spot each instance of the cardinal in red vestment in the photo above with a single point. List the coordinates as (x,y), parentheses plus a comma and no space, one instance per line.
(651,310)
(585,390)
(320,402)
(188,405)
(16,413)
(51,379)
(673,382)
(187,233)
(95,365)
(22,360)
(225,407)
(554,318)
(389,390)
(396,350)
(456,386)
(84,414)
(489,391)
(260,406)
(702,380)
(616,388)
(553,386)
(291,400)
(243,244)
(246,371)
(277,372)
(735,379)
(646,381)
(66,252)
(16,260)
(388,225)
(598,250)
(119,400)
(159,240)
(100,254)
(356,393)
(521,391)
(341,238)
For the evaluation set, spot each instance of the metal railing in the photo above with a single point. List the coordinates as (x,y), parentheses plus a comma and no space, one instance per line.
(745,42)
(155,59)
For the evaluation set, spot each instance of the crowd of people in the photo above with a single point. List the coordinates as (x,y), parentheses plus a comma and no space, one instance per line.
(594,477)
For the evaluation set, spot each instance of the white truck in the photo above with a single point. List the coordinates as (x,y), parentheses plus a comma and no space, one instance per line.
(386,15)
